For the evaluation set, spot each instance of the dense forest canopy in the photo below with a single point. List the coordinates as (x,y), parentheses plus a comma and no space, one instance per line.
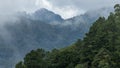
(99,49)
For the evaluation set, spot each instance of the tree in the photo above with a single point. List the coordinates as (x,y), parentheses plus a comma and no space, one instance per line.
(20,65)
(83,65)
(65,59)
(103,59)
(35,59)
(117,9)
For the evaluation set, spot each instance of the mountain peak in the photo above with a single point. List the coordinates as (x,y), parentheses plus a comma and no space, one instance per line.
(43,10)
(46,16)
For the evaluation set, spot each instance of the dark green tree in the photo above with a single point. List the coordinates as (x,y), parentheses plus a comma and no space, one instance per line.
(35,59)
(117,8)
(20,65)
(103,59)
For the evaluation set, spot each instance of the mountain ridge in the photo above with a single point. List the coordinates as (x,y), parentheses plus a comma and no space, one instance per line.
(28,34)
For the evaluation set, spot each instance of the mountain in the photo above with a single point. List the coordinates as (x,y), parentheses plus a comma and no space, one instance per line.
(100,48)
(46,16)
(90,16)
(39,30)
(81,23)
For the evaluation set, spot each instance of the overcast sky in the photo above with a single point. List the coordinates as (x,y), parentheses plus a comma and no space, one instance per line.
(66,8)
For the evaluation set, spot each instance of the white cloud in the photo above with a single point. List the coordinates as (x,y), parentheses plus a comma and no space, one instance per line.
(84,4)
(12,6)
(43,4)
(66,11)
(70,8)
(66,8)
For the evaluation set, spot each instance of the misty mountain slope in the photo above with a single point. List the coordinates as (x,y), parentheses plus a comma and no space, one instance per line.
(47,16)
(79,25)
(37,30)
(43,15)
(89,17)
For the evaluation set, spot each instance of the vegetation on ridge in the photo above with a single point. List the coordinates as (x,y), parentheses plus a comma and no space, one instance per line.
(99,49)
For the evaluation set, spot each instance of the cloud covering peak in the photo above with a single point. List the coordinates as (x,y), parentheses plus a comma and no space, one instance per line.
(66,8)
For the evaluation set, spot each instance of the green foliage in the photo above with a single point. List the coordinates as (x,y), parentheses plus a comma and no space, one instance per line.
(103,59)
(20,65)
(63,59)
(35,59)
(117,8)
(99,49)
(83,65)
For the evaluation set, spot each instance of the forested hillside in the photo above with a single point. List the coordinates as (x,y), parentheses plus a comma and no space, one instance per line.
(43,28)
(100,48)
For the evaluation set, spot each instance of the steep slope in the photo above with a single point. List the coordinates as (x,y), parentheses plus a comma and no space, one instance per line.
(36,30)
(99,49)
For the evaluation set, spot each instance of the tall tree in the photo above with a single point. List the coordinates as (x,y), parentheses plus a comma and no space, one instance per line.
(35,59)
(103,59)
(20,65)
